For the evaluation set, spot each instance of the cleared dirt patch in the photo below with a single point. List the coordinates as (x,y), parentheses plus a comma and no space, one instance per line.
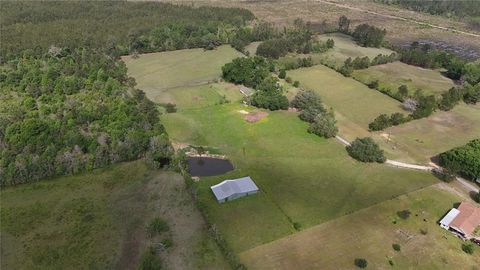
(255,116)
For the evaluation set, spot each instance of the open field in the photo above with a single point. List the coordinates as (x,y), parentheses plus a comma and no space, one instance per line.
(393,75)
(418,140)
(97,221)
(345,47)
(198,96)
(355,104)
(369,234)
(155,72)
(303,178)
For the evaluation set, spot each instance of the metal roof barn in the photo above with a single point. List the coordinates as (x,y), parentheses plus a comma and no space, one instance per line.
(233,189)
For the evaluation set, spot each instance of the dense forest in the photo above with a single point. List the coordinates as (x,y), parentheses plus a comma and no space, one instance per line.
(116,27)
(66,102)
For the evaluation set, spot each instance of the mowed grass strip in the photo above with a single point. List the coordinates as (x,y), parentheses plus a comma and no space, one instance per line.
(369,234)
(346,47)
(355,104)
(419,140)
(199,96)
(303,178)
(393,75)
(155,72)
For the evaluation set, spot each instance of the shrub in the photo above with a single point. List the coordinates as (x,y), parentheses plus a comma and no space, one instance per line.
(404,214)
(396,247)
(476,197)
(373,84)
(468,248)
(368,35)
(288,80)
(157,226)
(150,261)
(324,125)
(167,243)
(380,123)
(296,84)
(424,231)
(366,150)
(360,262)
(444,175)
(297,226)
(282,74)
(309,114)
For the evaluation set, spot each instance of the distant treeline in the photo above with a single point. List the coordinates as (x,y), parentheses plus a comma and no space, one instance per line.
(115,27)
(440,7)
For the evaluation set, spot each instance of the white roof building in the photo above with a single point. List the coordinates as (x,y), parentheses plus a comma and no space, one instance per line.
(448,218)
(234,189)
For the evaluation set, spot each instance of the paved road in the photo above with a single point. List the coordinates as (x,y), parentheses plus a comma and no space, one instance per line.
(400,18)
(405,165)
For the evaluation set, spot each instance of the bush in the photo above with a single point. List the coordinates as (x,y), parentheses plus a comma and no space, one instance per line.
(288,80)
(167,243)
(307,99)
(150,261)
(360,262)
(170,108)
(309,114)
(444,175)
(366,150)
(368,35)
(157,226)
(380,123)
(476,197)
(404,214)
(373,84)
(324,125)
(282,74)
(296,84)
(468,248)
(396,247)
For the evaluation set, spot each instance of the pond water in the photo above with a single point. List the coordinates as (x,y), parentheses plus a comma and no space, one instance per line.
(205,166)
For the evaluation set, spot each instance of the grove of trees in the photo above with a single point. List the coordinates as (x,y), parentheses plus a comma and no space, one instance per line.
(464,160)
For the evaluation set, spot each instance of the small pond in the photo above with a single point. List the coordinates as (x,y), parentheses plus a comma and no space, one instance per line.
(206,166)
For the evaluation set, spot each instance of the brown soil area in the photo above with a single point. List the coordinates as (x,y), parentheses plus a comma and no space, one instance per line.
(255,116)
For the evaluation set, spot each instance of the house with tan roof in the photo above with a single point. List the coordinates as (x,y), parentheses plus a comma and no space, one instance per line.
(462,220)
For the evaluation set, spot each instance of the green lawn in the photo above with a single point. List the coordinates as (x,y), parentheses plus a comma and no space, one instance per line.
(345,47)
(303,178)
(369,234)
(355,104)
(199,96)
(156,72)
(393,75)
(419,140)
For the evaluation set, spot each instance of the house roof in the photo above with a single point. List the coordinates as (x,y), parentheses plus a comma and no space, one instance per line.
(468,218)
(229,187)
(447,219)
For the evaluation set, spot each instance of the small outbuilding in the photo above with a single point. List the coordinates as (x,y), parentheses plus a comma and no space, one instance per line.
(233,189)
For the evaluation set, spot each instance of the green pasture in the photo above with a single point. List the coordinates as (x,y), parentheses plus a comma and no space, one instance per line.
(370,234)
(419,140)
(346,47)
(355,104)
(304,179)
(155,72)
(393,75)
(199,96)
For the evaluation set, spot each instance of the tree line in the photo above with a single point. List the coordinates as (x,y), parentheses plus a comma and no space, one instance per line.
(117,28)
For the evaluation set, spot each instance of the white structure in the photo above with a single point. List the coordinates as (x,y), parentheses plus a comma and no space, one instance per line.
(233,189)
(448,218)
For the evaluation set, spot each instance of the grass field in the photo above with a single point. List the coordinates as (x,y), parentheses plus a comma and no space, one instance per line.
(345,47)
(97,221)
(303,178)
(418,140)
(156,72)
(393,75)
(355,104)
(198,96)
(369,234)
